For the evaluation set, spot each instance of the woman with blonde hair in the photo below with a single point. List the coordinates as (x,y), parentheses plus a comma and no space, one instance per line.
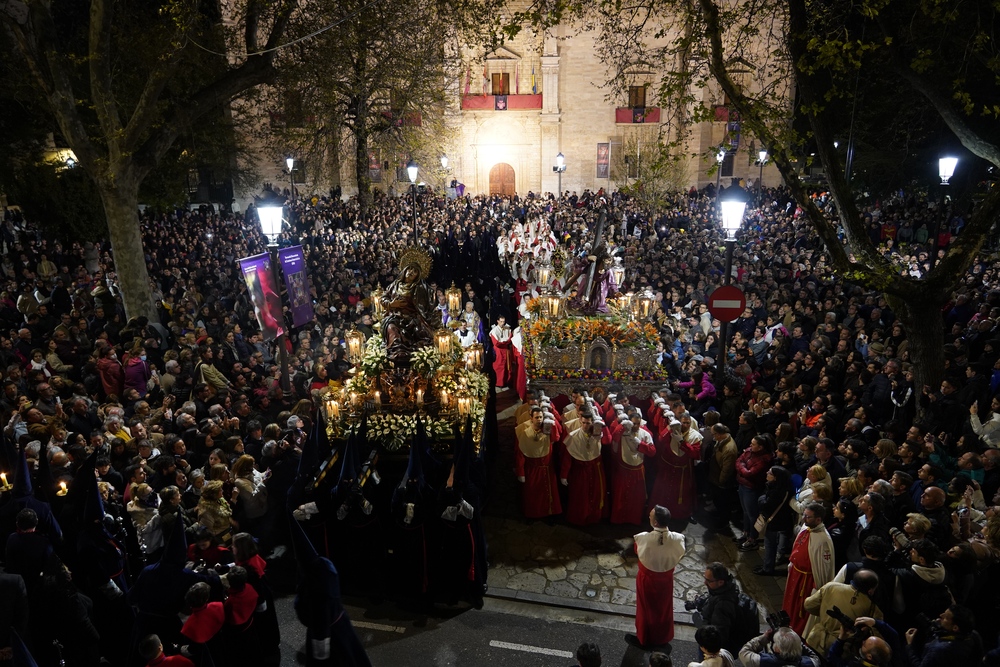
(215,513)
(817,480)
(851,488)
(249,493)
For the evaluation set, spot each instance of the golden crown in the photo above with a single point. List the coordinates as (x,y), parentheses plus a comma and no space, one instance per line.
(418,257)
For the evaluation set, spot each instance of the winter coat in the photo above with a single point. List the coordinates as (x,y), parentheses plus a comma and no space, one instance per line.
(777,495)
(752,467)
(720,608)
(137,374)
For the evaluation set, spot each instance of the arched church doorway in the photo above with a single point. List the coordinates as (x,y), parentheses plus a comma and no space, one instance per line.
(502,180)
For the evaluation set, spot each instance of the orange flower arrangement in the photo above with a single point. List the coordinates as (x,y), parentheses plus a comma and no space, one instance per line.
(575,329)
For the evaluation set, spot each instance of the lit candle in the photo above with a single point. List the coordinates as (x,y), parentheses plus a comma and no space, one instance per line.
(420,396)
(354,399)
(378,399)
(334,410)
(444,398)
(3,478)
(62,489)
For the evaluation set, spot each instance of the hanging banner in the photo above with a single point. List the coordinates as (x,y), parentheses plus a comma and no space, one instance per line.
(264,294)
(604,160)
(374,168)
(293,265)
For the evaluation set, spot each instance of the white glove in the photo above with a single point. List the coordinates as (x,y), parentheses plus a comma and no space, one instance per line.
(627,426)
(657,399)
(521,478)
(564,482)
(547,426)
(619,407)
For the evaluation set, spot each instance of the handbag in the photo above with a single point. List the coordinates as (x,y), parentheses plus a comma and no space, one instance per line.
(760,525)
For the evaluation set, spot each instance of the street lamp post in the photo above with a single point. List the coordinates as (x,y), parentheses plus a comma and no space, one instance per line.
(411,170)
(720,157)
(761,159)
(946,169)
(270,225)
(732,210)
(444,173)
(559,168)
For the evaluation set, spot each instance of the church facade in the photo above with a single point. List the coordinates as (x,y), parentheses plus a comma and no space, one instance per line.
(520,106)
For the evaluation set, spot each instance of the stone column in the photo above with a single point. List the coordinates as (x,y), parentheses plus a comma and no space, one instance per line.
(550,124)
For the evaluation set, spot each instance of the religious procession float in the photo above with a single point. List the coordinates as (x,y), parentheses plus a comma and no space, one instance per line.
(412,369)
(577,326)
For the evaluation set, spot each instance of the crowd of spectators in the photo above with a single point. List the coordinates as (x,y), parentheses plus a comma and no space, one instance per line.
(188,411)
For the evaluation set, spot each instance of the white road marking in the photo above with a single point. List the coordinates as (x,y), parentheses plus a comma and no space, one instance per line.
(378,626)
(531,649)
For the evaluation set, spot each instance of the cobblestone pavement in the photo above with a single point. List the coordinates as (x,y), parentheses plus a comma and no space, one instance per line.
(551,562)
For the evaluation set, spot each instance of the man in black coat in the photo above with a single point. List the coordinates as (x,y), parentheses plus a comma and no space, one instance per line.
(720,606)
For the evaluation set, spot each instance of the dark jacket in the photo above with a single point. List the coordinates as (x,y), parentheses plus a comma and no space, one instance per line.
(947,651)
(776,497)
(719,608)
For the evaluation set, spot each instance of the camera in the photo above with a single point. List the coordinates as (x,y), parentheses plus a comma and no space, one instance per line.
(841,618)
(778,619)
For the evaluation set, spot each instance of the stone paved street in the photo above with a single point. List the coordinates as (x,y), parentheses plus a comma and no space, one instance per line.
(551,562)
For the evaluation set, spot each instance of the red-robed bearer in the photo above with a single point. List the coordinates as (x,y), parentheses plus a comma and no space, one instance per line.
(534,467)
(628,482)
(503,364)
(659,552)
(582,471)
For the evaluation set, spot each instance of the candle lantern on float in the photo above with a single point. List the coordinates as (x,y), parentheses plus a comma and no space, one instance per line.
(474,357)
(355,346)
(554,304)
(443,340)
(543,273)
(464,403)
(643,304)
(618,272)
(378,308)
(454,297)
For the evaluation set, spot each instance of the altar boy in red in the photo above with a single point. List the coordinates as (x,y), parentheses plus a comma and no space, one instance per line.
(628,482)
(503,364)
(659,552)
(582,471)
(535,468)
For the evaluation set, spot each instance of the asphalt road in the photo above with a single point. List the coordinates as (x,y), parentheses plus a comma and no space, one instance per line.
(504,633)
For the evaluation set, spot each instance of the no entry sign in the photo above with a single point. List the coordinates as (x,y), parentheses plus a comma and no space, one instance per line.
(727,303)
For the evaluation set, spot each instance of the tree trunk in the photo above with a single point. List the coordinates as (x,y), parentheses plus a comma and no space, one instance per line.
(122,210)
(923,323)
(361,166)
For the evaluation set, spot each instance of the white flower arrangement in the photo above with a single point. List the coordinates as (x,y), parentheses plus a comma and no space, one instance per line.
(358,384)
(425,360)
(394,431)
(446,381)
(477,384)
(375,359)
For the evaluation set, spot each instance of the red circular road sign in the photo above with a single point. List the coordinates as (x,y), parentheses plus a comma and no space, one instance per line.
(727,303)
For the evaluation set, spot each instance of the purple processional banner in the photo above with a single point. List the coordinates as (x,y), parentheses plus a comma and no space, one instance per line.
(264,294)
(293,265)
